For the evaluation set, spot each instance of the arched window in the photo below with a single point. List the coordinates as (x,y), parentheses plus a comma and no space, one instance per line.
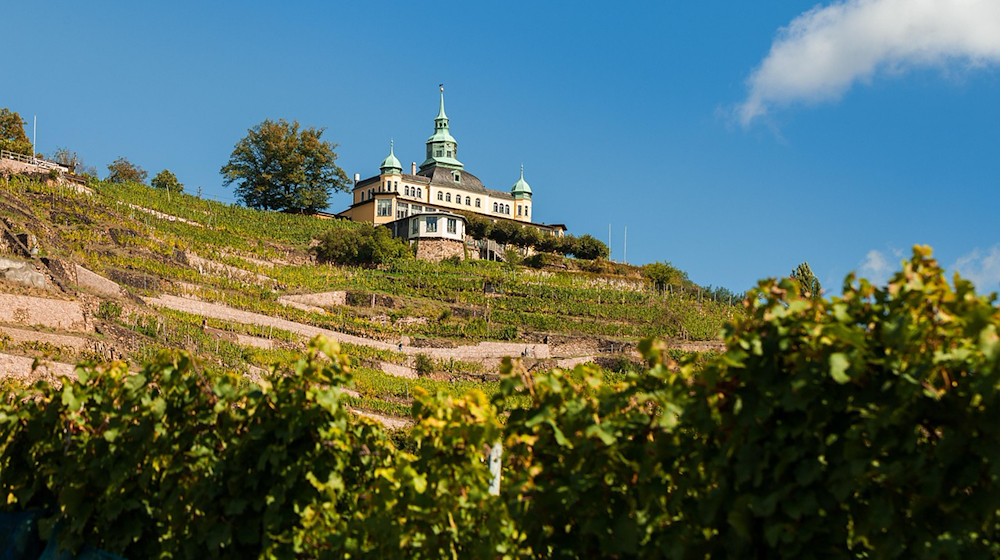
(447,197)
(418,193)
(526,211)
(440,195)
(518,209)
(507,209)
(495,207)
(468,201)
(478,205)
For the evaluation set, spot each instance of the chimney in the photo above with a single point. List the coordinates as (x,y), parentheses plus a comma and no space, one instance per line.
(357,178)
(413,168)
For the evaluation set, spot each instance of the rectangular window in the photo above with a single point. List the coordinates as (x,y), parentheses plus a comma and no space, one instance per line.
(432,224)
(452,225)
(518,209)
(417,209)
(437,153)
(383,207)
(414,225)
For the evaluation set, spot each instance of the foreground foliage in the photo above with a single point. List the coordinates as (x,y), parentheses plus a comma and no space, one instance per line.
(863,426)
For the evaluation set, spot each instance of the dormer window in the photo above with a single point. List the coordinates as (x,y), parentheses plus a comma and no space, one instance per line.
(457,176)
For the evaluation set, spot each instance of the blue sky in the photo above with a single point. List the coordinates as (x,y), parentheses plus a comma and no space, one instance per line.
(733,139)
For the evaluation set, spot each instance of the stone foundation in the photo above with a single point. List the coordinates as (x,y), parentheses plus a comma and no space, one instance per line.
(435,250)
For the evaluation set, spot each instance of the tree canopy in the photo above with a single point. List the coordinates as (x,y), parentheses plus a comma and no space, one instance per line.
(124,171)
(167,181)
(12,136)
(72,160)
(281,166)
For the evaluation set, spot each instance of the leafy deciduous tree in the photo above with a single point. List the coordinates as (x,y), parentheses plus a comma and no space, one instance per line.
(123,171)
(281,166)
(12,136)
(167,181)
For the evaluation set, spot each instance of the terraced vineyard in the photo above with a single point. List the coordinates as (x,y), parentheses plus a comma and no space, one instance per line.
(251,261)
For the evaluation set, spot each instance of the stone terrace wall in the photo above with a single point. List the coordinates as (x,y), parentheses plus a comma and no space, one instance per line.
(439,249)
(51,313)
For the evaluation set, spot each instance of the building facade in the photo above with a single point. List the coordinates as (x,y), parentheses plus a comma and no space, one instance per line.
(441,184)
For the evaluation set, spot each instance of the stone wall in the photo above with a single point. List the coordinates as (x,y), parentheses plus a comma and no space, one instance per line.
(52,313)
(435,250)
(96,283)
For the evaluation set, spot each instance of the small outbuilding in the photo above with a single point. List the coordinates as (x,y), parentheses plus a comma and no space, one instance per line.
(435,235)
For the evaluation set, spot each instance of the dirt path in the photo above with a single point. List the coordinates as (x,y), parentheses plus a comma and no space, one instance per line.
(481,351)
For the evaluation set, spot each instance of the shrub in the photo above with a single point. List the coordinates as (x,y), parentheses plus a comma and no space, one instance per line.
(423,364)
(362,245)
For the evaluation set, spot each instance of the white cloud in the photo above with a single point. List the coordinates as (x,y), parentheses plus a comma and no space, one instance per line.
(982,268)
(823,52)
(879,266)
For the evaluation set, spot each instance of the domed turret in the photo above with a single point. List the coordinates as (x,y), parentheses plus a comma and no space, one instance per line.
(442,148)
(390,164)
(521,188)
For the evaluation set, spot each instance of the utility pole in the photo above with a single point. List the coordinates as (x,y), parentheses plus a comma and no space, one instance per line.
(609,241)
(625,258)
(34,138)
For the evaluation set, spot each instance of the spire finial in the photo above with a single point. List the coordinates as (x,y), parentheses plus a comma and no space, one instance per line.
(522,171)
(391,146)
(441,114)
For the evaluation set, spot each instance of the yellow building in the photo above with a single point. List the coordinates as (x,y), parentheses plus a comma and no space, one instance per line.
(441,184)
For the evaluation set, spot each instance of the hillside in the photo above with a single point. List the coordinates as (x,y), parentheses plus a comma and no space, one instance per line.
(139,270)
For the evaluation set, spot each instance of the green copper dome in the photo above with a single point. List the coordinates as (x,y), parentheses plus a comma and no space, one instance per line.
(390,163)
(521,187)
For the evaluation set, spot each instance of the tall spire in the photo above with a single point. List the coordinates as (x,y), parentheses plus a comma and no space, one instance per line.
(442,148)
(441,115)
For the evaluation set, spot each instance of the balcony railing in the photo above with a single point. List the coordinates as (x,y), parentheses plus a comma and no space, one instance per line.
(37,162)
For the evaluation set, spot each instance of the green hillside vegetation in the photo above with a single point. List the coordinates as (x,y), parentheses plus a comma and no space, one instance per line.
(154,242)
(861,426)
(112,235)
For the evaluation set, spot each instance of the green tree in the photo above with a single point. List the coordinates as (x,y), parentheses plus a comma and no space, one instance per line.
(589,247)
(12,136)
(123,171)
(281,166)
(664,274)
(167,181)
(807,282)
